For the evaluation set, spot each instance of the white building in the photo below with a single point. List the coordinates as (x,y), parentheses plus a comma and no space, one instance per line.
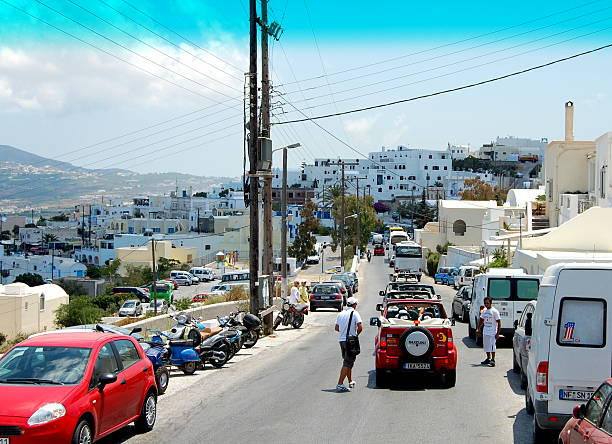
(454,183)
(508,149)
(459,152)
(49,267)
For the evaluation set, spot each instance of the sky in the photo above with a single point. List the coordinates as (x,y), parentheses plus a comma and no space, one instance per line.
(158,86)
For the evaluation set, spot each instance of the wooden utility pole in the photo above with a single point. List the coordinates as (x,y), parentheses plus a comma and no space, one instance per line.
(342,164)
(154,286)
(267,188)
(284,229)
(253,180)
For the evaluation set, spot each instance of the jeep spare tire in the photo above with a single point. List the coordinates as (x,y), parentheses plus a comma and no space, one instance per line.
(417,342)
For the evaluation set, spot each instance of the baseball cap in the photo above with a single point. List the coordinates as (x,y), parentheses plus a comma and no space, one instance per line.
(352,301)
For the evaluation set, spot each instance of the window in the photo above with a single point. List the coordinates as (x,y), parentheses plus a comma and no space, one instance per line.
(602,180)
(459,227)
(207,247)
(499,289)
(41,303)
(445,168)
(106,362)
(430,156)
(606,423)
(390,187)
(127,352)
(443,156)
(527,289)
(596,404)
(582,323)
(380,190)
(156,230)
(411,177)
(435,167)
(425,167)
(170,230)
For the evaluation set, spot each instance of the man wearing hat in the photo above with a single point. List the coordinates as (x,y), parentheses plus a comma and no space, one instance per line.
(303,293)
(348,323)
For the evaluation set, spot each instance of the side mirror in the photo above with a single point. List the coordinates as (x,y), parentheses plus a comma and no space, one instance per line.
(528,325)
(452,322)
(579,411)
(136,330)
(105,379)
(381,293)
(379,307)
(375,322)
(515,324)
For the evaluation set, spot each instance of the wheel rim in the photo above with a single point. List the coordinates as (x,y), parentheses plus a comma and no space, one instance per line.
(150,411)
(85,435)
(190,366)
(163,380)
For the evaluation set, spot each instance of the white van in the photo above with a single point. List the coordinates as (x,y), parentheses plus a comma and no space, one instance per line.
(571,343)
(511,290)
(204,274)
(185,275)
(236,276)
(224,288)
(465,276)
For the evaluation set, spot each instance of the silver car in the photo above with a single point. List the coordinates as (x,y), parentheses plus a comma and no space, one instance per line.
(521,341)
(162,307)
(132,307)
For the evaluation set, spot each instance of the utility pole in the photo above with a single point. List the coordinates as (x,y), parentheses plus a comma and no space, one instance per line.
(267,187)
(253,180)
(82,225)
(89,232)
(198,221)
(154,286)
(284,229)
(342,164)
(52,262)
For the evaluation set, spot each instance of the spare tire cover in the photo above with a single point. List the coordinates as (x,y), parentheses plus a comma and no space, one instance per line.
(417,342)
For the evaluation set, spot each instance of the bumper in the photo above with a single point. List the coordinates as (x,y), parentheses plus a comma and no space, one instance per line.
(336,303)
(546,420)
(396,363)
(59,431)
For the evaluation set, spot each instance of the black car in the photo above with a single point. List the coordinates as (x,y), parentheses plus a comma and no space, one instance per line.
(354,279)
(347,280)
(461,304)
(326,296)
(138,292)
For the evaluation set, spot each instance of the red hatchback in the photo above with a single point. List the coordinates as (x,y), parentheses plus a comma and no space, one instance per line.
(591,422)
(74,388)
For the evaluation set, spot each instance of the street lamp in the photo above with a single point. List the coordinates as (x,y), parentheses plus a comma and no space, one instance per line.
(284,219)
(351,216)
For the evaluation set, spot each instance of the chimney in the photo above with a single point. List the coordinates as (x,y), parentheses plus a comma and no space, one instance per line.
(569,121)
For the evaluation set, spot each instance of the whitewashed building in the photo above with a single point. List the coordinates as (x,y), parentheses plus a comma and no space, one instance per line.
(508,149)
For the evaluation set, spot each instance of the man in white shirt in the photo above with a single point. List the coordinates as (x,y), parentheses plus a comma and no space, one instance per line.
(351,315)
(490,324)
(294,295)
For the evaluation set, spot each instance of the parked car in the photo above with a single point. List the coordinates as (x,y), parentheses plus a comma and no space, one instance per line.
(203,273)
(523,329)
(183,275)
(326,296)
(200,297)
(69,387)
(224,288)
(465,276)
(407,343)
(174,283)
(182,280)
(313,258)
(335,269)
(162,306)
(401,286)
(461,304)
(354,281)
(510,289)
(131,307)
(341,287)
(591,422)
(346,280)
(571,342)
(108,328)
(440,275)
(137,292)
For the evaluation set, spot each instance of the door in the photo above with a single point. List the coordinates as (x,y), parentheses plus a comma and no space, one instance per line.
(109,401)
(585,430)
(525,290)
(579,344)
(132,377)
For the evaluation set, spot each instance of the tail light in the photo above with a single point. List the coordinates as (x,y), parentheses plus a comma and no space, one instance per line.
(450,342)
(343,290)
(312,296)
(383,339)
(542,377)
(338,296)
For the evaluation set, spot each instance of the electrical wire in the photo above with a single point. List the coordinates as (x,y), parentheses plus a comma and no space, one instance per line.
(446,91)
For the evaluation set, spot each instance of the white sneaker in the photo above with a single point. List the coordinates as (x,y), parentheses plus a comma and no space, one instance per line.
(352,384)
(340,388)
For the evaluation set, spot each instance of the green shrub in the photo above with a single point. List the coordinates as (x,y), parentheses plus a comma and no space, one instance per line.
(2,338)
(80,310)
(432,263)
(182,304)
(110,303)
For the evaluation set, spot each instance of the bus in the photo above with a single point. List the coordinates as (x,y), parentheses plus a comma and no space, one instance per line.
(236,276)
(395,237)
(409,257)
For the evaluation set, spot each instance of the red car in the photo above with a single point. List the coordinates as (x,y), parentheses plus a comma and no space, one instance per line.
(75,387)
(591,422)
(379,250)
(414,336)
(200,297)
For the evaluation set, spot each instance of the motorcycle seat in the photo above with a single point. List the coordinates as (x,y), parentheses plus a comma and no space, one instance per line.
(211,331)
(228,333)
(181,342)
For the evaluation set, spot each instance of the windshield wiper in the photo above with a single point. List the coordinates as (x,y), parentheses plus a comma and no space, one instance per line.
(30,381)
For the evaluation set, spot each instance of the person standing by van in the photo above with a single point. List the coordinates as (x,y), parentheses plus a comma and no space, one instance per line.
(489,325)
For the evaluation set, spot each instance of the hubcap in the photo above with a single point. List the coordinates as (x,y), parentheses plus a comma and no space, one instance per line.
(150,411)
(85,435)
(163,380)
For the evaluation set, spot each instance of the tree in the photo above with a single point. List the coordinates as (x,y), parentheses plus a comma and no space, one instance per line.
(110,271)
(304,241)
(59,218)
(364,208)
(48,238)
(164,266)
(200,194)
(72,288)
(136,276)
(499,259)
(380,207)
(93,272)
(31,279)
(423,212)
(330,194)
(443,249)
(80,310)
(476,189)
(41,222)
(225,192)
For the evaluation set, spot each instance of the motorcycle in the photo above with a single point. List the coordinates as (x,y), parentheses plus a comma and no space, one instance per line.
(178,352)
(290,315)
(233,334)
(249,325)
(214,348)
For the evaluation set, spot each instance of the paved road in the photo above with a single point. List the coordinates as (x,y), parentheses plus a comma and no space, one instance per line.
(286,394)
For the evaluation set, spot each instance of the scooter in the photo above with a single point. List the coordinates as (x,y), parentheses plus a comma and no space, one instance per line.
(214,348)
(178,352)
(155,351)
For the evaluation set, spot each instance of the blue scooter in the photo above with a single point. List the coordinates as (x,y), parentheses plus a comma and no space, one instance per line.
(178,352)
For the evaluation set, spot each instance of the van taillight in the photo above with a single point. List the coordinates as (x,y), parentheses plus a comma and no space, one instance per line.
(542,377)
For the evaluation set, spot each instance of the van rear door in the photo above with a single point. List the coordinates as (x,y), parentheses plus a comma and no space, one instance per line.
(510,296)
(580,349)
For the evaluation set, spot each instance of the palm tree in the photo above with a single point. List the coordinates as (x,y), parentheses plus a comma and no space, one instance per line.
(48,237)
(330,194)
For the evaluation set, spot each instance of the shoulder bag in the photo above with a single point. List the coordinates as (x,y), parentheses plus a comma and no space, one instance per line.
(352,342)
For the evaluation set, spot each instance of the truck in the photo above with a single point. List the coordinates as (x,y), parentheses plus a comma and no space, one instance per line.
(377,239)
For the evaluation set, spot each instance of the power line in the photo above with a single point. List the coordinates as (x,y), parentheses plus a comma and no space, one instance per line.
(446,44)
(446,91)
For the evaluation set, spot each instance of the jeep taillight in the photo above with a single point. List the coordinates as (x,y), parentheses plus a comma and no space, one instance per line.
(542,377)
(383,338)
(450,342)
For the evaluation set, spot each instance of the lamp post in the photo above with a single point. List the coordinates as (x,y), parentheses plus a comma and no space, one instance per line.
(284,219)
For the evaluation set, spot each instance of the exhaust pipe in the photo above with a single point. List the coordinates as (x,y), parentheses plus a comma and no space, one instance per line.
(219,355)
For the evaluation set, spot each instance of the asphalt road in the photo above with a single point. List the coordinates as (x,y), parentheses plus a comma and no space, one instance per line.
(287,393)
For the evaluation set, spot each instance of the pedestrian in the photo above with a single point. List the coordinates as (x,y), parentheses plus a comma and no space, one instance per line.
(303,293)
(489,325)
(349,326)
(294,295)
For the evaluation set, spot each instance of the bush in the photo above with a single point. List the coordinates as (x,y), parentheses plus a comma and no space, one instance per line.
(110,303)
(93,272)
(182,304)
(432,263)
(16,340)
(80,310)
(2,338)
(31,279)
(71,287)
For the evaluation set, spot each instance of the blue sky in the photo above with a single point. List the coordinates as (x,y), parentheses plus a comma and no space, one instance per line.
(58,94)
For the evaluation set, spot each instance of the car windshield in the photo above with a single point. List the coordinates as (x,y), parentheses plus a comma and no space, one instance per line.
(411,310)
(129,304)
(324,289)
(44,365)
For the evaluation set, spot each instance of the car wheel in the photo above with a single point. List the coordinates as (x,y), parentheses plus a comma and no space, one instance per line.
(382,379)
(523,380)
(313,308)
(448,378)
(471,332)
(83,433)
(529,404)
(162,377)
(148,414)
(515,364)
(189,368)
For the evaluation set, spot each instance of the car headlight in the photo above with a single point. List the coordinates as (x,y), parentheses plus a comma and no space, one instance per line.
(47,413)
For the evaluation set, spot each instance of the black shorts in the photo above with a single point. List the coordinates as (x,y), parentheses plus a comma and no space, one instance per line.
(347,359)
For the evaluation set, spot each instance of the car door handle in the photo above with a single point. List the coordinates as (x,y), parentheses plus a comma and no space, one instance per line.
(145,369)
(123,381)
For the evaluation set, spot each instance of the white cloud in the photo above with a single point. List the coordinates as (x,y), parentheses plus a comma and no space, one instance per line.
(360,125)
(396,133)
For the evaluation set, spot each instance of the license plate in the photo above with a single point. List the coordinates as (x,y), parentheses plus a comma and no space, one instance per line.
(575,395)
(5,440)
(324,297)
(503,314)
(417,366)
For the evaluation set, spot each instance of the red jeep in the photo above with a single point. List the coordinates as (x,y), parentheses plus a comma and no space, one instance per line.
(379,250)
(414,336)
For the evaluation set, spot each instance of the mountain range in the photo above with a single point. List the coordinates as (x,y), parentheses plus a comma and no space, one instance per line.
(28,180)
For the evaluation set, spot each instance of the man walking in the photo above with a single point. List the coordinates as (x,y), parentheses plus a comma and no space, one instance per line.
(490,324)
(348,323)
